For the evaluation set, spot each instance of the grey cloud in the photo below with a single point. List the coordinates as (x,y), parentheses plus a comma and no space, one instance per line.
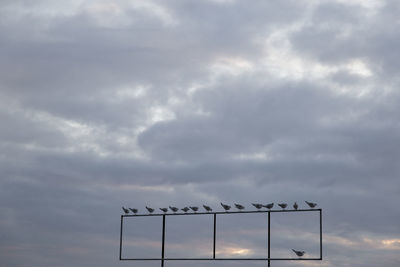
(344,32)
(269,116)
(251,137)
(345,78)
(38,132)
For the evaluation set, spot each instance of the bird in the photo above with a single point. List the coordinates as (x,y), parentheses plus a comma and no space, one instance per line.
(174,209)
(185,209)
(226,207)
(239,207)
(150,210)
(207,208)
(164,209)
(269,206)
(299,253)
(194,208)
(134,210)
(312,205)
(125,210)
(258,206)
(295,206)
(282,205)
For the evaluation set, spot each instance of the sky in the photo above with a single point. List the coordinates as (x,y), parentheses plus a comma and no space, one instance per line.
(106,104)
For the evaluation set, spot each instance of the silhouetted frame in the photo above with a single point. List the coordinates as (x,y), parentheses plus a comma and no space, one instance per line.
(214,258)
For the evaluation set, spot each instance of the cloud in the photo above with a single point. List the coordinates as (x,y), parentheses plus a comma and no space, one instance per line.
(104,105)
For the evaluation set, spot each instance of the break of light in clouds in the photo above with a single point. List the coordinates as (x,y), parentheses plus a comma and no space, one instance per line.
(175,102)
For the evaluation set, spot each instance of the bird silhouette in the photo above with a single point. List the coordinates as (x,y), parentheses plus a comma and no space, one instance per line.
(185,209)
(164,209)
(150,210)
(295,206)
(239,207)
(299,253)
(312,205)
(207,208)
(194,208)
(174,209)
(226,207)
(125,210)
(282,205)
(258,206)
(269,206)
(134,210)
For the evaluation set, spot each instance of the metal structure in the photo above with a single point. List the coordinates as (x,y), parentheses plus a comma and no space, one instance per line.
(214,258)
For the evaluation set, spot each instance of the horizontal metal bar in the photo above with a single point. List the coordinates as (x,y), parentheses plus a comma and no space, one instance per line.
(221,259)
(219,212)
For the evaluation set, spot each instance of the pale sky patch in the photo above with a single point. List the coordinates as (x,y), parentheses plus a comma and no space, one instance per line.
(231,66)
(157,10)
(160,113)
(233,251)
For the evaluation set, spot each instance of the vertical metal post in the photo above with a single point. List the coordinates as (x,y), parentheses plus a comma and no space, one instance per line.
(163,241)
(320,234)
(269,238)
(120,238)
(215,228)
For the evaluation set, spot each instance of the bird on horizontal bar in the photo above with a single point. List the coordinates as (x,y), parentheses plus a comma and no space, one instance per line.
(125,210)
(299,253)
(239,207)
(185,209)
(164,209)
(195,209)
(226,207)
(150,210)
(257,205)
(134,210)
(312,205)
(295,206)
(282,205)
(207,208)
(174,209)
(269,206)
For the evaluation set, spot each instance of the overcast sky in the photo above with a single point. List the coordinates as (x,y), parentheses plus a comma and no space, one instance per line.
(106,104)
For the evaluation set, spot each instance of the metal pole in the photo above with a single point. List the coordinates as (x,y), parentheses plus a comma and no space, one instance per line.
(163,241)
(215,228)
(120,238)
(269,239)
(218,212)
(320,234)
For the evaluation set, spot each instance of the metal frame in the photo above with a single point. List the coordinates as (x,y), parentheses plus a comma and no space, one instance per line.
(268,259)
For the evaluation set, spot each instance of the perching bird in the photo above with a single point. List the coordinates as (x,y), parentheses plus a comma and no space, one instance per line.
(239,207)
(207,208)
(269,206)
(226,207)
(134,210)
(174,209)
(164,209)
(194,208)
(295,206)
(125,210)
(312,205)
(150,210)
(299,253)
(185,209)
(258,206)
(282,205)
